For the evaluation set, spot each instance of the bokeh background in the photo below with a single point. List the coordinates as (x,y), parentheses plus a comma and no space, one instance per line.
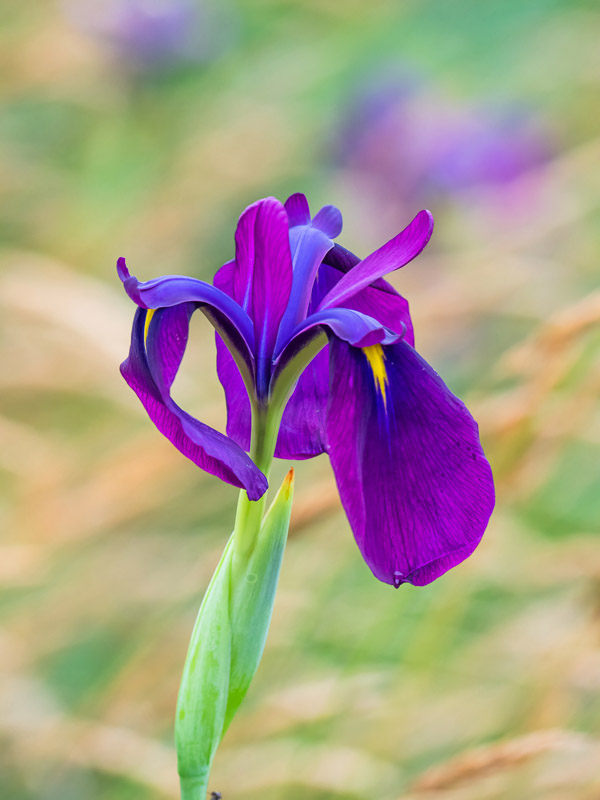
(143,129)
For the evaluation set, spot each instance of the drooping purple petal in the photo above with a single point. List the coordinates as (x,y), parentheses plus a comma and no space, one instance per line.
(412,476)
(393,255)
(150,374)
(263,269)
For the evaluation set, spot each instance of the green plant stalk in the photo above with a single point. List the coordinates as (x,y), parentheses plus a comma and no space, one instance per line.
(228,640)
(231,628)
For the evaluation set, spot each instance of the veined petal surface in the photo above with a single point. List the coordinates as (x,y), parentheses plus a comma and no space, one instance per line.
(412,476)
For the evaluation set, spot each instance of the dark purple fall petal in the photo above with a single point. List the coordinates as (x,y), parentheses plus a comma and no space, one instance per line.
(302,430)
(151,375)
(393,255)
(239,413)
(412,476)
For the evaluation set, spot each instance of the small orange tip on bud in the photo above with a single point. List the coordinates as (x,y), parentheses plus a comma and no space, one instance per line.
(288,482)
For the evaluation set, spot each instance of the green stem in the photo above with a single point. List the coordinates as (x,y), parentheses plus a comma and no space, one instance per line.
(249,515)
(265,428)
(194,788)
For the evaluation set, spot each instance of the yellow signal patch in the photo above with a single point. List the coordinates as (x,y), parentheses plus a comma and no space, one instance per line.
(147,321)
(376,358)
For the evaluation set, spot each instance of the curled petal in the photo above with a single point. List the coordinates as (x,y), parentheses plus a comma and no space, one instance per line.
(171,290)
(393,255)
(149,370)
(412,476)
(354,327)
(308,246)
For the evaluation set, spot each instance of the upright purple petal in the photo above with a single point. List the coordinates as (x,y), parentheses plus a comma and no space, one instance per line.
(410,470)
(150,374)
(393,255)
(310,240)
(297,209)
(263,269)
(302,433)
(308,246)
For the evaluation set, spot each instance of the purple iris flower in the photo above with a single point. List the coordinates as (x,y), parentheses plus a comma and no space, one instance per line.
(404,138)
(155,33)
(308,329)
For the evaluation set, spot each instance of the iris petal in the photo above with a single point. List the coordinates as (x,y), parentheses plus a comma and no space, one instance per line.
(172,290)
(150,369)
(412,476)
(239,414)
(393,255)
(262,274)
(302,430)
(379,300)
(354,327)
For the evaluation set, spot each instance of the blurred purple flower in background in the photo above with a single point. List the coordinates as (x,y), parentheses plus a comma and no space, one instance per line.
(407,140)
(316,354)
(151,34)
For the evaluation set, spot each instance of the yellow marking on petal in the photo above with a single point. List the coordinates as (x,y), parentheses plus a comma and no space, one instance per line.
(149,315)
(376,358)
